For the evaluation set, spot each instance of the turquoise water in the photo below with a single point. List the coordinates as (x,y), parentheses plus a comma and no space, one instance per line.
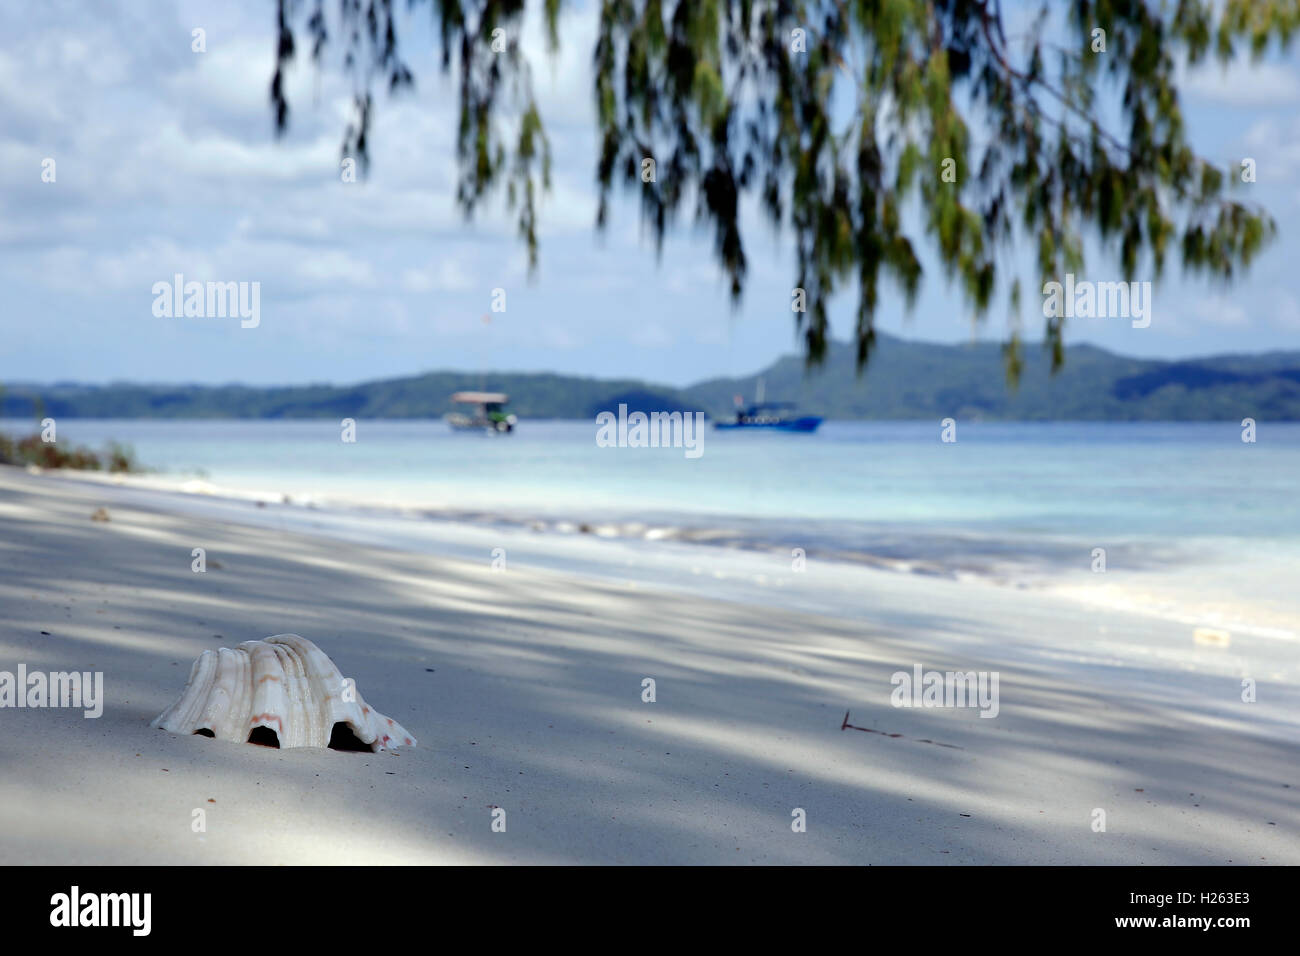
(890,489)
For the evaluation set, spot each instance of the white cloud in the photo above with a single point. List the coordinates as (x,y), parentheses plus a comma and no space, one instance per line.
(1244,84)
(1286,315)
(167,163)
(445,275)
(330,267)
(1275,147)
(652,336)
(232,77)
(1218,310)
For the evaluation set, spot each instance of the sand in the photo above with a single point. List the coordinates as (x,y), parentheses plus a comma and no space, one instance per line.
(524,687)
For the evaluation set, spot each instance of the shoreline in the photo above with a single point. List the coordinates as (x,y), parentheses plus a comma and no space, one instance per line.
(524,689)
(1171,589)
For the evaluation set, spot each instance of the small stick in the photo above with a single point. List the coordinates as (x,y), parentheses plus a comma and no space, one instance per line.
(921,740)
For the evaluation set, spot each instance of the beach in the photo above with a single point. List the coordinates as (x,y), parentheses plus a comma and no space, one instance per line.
(525,688)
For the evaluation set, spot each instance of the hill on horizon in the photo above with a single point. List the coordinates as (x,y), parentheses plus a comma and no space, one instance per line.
(905,379)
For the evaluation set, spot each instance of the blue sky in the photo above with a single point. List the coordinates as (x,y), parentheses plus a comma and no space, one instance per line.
(166,162)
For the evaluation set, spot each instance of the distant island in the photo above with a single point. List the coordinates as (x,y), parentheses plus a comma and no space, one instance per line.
(904,380)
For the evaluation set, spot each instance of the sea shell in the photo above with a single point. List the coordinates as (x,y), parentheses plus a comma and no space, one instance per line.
(283,691)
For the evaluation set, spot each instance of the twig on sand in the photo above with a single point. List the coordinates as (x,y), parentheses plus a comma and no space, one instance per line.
(920,740)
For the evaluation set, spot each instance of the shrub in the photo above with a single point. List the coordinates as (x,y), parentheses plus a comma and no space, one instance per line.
(32,451)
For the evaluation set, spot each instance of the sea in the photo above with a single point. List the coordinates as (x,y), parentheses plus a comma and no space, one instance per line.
(1175,518)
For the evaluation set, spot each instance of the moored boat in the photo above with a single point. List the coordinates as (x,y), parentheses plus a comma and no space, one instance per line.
(775,415)
(778,416)
(490,413)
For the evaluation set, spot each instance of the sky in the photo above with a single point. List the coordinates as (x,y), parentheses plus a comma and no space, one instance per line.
(165,162)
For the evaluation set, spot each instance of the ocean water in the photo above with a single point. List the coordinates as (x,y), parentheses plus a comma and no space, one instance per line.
(1024,503)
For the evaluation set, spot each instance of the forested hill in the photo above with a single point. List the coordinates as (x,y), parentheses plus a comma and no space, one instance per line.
(904,380)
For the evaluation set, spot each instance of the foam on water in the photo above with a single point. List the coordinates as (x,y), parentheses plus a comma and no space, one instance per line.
(1194,522)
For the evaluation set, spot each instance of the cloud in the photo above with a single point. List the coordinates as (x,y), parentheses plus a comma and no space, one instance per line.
(1275,147)
(1286,315)
(231,79)
(445,275)
(1218,310)
(652,336)
(167,162)
(1243,84)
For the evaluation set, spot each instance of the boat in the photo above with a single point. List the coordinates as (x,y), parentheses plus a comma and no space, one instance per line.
(778,416)
(489,414)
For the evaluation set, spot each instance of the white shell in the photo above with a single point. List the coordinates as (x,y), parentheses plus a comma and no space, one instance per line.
(284,683)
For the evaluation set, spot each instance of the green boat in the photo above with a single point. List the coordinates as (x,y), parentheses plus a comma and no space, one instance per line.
(490,413)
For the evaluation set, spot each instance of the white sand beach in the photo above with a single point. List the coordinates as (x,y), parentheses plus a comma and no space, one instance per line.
(524,689)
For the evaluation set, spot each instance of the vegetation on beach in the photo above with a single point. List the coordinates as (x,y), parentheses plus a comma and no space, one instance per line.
(32,450)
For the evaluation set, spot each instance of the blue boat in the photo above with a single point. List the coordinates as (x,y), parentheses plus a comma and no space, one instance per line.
(774,415)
